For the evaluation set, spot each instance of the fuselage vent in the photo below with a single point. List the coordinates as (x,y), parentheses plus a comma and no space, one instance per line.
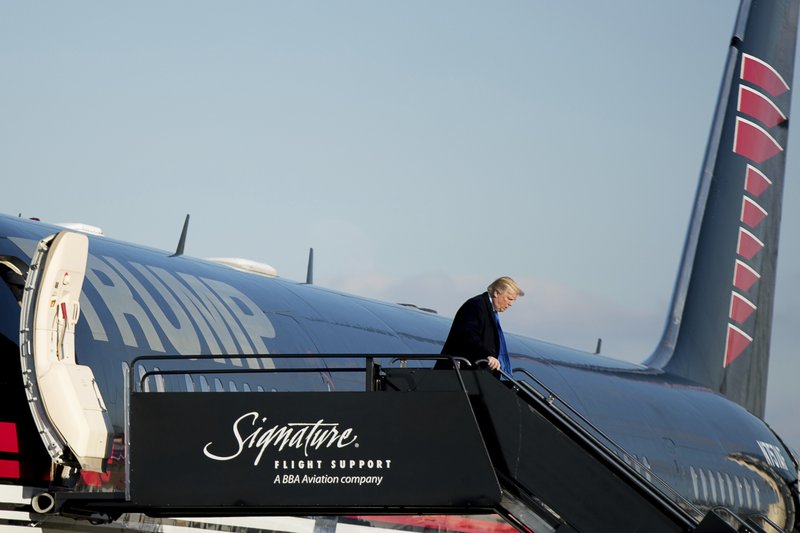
(246,265)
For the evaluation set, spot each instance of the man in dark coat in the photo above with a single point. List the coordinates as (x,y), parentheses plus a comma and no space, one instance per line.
(476,333)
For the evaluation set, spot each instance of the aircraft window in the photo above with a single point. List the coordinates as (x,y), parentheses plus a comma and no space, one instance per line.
(246,387)
(232,386)
(747,493)
(722,496)
(703,484)
(757,494)
(218,385)
(259,388)
(730,489)
(204,384)
(694,482)
(646,463)
(713,487)
(189,382)
(739,490)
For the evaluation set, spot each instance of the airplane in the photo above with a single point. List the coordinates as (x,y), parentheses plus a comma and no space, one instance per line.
(78,307)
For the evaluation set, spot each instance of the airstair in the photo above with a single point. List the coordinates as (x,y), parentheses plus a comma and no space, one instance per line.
(409,441)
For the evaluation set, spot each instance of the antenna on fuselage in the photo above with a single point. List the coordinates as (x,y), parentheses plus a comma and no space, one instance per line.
(182,240)
(599,345)
(310,269)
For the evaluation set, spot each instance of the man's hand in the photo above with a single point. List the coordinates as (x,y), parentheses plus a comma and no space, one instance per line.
(494,363)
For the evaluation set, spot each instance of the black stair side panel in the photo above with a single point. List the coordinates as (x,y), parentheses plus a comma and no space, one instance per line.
(310,452)
(527,448)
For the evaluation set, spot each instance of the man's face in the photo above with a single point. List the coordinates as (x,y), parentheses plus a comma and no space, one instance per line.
(503,300)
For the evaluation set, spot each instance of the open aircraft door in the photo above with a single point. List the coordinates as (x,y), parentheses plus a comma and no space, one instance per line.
(63,395)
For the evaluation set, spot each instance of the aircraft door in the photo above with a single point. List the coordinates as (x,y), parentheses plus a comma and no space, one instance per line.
(63,395)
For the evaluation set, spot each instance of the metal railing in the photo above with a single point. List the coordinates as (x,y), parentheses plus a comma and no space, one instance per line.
(640,474)
(370,368)
(765,520)
(559,409)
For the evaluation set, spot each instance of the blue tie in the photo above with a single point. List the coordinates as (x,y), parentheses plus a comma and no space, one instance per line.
(505,363)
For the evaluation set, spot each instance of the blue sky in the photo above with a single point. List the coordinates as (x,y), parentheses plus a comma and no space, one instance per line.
(367,130)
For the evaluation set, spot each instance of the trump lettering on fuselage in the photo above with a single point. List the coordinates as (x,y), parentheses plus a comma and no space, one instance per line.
(179,312)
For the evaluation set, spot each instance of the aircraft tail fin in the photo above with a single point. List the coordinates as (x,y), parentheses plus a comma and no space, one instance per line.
(719,327)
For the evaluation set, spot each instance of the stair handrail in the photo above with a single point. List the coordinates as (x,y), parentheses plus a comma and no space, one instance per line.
(749,526)
(766,519)
(679,503)
(455,361)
